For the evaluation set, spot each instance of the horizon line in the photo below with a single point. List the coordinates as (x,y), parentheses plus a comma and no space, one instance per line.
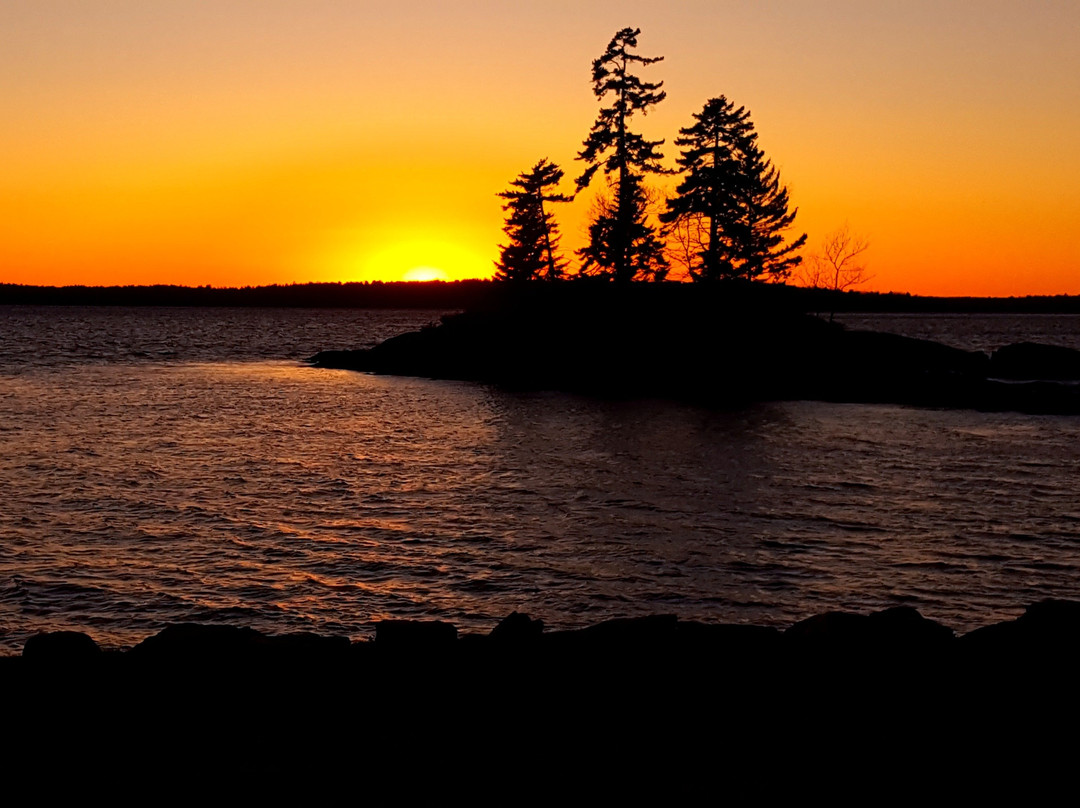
(494,282)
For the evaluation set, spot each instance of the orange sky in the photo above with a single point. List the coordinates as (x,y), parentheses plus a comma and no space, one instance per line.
(272,141)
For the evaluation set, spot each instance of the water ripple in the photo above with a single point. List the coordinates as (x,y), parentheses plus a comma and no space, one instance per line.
(224,481)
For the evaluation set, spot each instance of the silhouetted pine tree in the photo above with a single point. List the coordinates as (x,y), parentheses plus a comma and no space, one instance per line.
(531,230)
(609,237)
(738,195)
(622,244)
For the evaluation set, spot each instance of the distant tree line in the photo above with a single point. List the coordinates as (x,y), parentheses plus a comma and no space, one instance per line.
(727,219)
(370,295)
(450,295)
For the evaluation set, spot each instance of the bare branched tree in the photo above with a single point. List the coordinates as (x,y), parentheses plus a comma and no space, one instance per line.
(685,239)
(840,265)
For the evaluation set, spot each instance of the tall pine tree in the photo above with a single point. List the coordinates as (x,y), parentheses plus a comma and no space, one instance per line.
(533,236)
(622,245)
(609,236)
(736,195)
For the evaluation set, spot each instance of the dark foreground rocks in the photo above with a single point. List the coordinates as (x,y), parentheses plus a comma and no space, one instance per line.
(1029,360)
(653,708)
(725,350)
(521,656)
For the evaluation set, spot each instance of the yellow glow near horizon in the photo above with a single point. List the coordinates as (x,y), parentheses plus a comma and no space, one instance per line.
(425,274)
(398,257)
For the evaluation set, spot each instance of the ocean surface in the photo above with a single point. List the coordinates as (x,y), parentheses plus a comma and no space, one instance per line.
(165,465)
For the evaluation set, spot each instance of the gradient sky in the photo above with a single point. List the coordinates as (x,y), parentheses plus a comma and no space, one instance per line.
(269,141)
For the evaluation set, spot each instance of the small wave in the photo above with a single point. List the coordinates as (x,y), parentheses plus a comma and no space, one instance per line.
(243,615)
(221,478)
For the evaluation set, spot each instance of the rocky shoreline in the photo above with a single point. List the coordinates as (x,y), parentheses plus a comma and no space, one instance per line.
(1045,629)
(716,351)
(839,697)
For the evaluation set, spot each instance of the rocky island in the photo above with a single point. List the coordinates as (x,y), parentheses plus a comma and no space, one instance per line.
(723,348)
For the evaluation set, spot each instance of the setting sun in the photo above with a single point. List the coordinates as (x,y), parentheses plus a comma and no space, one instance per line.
(425,274)
(394,254)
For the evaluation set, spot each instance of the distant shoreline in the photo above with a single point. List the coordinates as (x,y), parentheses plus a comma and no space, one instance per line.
(471,293)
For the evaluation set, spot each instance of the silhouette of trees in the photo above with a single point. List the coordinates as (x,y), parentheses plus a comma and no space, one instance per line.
(727,220)
(622,243)
(532,233)
(685,239)
(731,210)
(840,265)
(619,230)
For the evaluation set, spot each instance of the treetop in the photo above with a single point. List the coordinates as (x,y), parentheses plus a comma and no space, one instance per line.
(626,150)
(609,72)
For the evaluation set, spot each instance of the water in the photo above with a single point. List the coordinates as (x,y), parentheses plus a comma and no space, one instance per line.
(167,465)
(981,332)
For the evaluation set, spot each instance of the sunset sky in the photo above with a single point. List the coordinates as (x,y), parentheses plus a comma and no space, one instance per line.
(247,142)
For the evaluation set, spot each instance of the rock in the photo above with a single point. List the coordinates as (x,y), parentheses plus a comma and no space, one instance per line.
(61,647)
(517,628)
(1036,398)
(414,635)
(903,628)
(633,630)
(750,649)
(897,632)
(891,355)
(830,631)
(308,647)
(626,636)
(620,345)
(1046,638)
(1029,360)
(1057,619)
(342,360)
(192,642)
(1050,627)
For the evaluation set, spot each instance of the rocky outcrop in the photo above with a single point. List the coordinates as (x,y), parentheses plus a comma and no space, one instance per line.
(900,629)
(746,695)
(1047,625)
(62,648)
(1031,361)
(719,354)
(415,635)
(194,643)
